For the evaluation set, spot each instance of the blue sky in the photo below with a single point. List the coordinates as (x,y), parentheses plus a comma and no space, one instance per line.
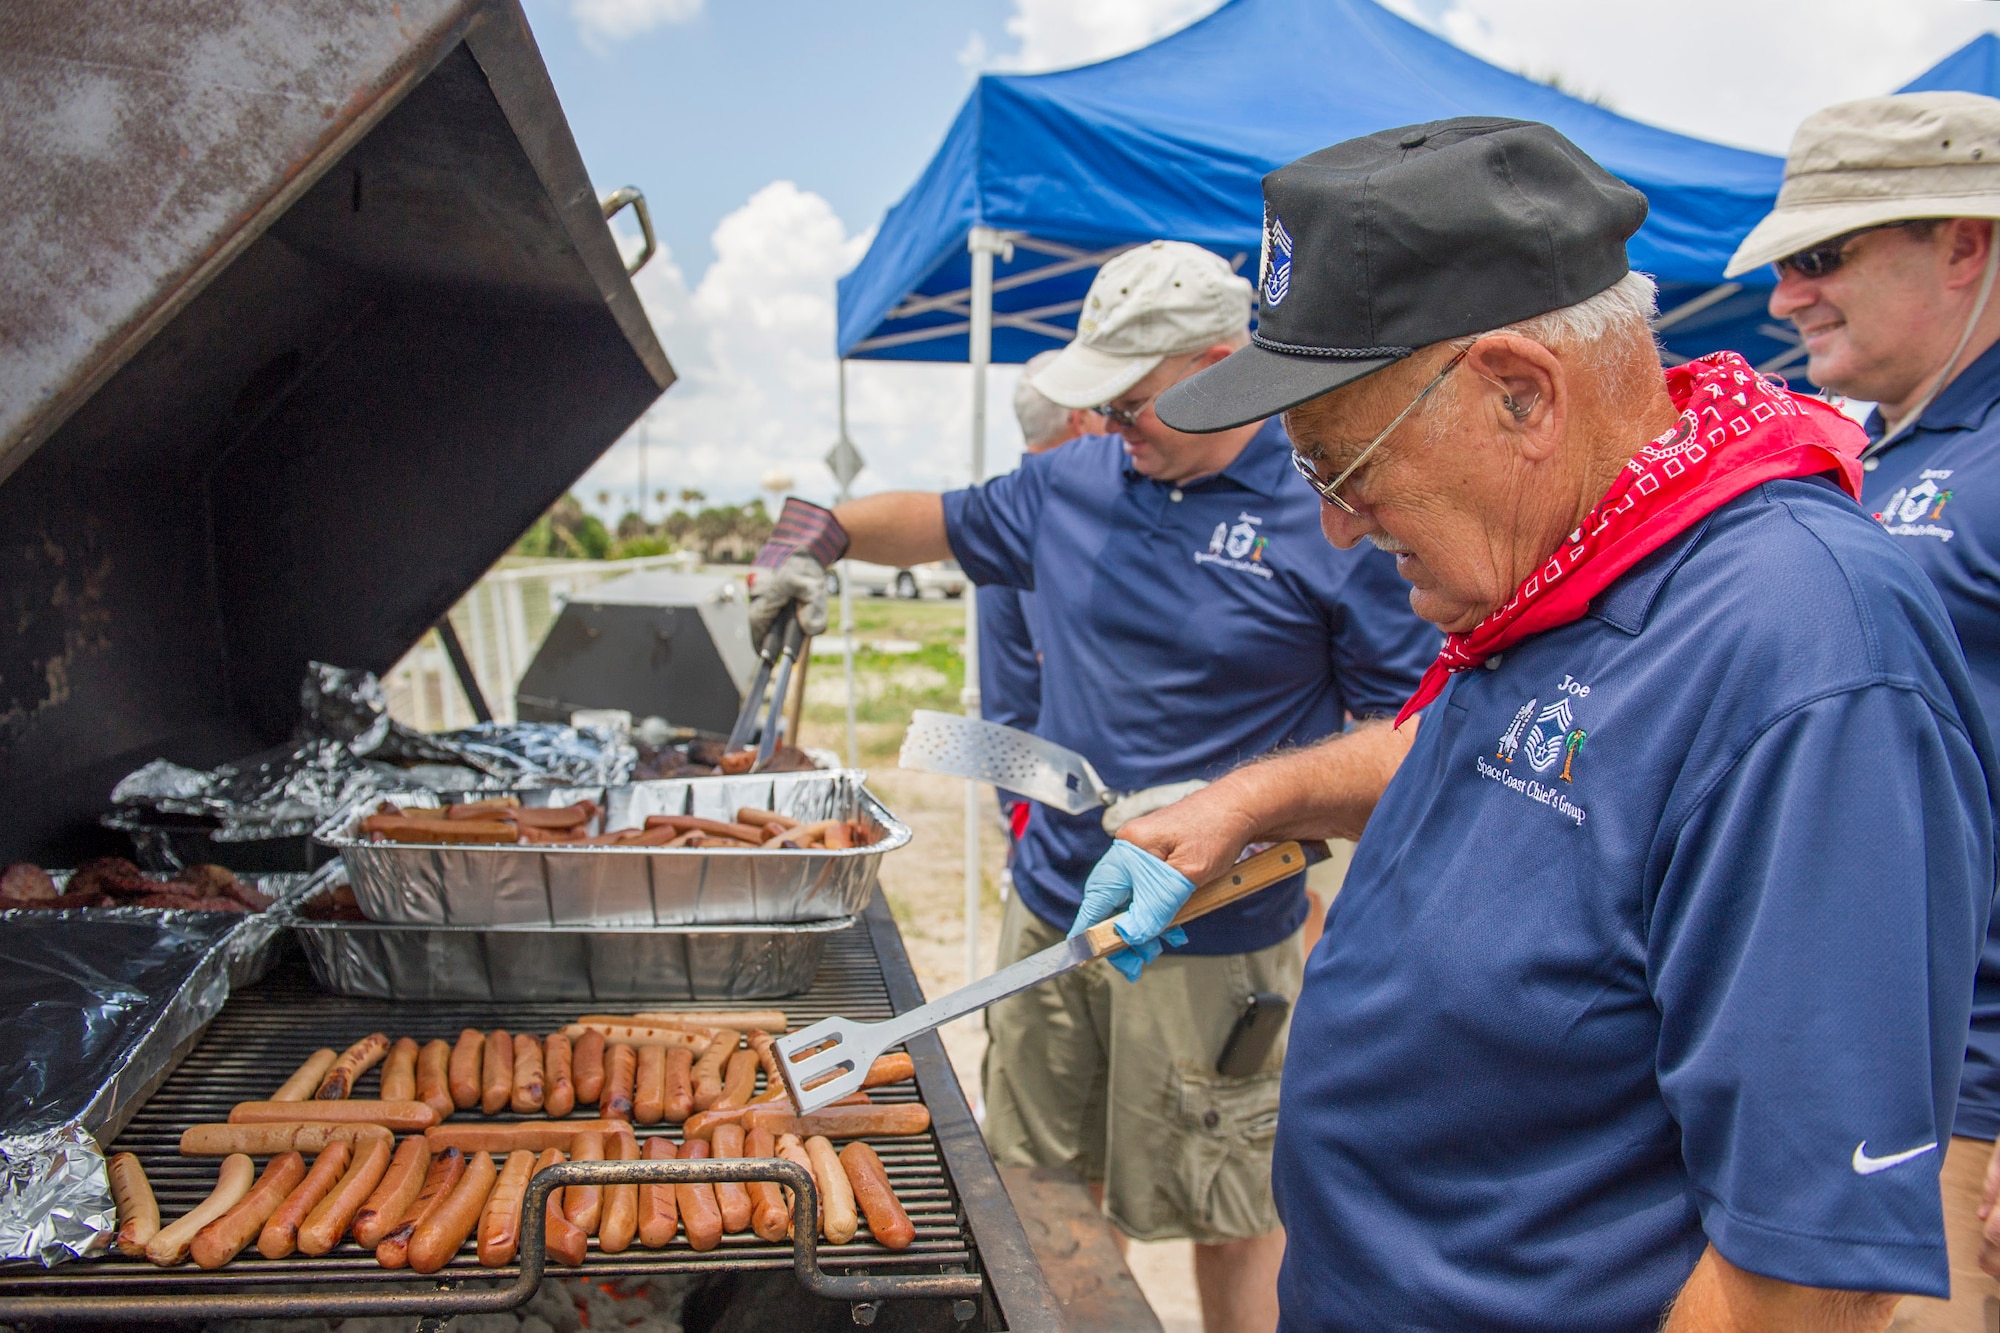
(771,135)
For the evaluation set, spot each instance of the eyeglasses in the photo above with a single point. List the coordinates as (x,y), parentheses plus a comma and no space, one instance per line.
(1328,490)
(1129,416)
(1816,261)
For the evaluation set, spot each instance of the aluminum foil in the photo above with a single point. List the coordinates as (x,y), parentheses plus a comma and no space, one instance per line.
(249,950)
(97,1012)
(443,962)
(440,884)
(347,748)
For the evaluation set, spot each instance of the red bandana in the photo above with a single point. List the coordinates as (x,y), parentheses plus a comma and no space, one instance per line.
(1737,430)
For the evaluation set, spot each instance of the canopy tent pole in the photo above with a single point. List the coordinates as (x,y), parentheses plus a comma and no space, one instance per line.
(984,243)
(846,597)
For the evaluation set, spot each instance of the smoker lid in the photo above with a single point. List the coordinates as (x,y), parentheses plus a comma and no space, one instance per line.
(307,310)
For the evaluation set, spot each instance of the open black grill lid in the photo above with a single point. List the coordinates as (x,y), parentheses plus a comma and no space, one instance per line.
(307,310)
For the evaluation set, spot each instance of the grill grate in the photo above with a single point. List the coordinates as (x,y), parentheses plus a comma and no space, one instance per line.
(266,1032)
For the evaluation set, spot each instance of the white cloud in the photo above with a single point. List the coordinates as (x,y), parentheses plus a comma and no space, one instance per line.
(613,19)
(753,344)
(1056,34)
(1735,72)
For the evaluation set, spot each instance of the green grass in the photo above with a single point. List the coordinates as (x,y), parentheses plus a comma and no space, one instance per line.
(890,685)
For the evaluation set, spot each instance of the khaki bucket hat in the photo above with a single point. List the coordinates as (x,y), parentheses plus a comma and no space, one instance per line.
(1884,159)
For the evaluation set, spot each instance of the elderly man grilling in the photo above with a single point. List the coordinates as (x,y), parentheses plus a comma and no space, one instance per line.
(1647,991)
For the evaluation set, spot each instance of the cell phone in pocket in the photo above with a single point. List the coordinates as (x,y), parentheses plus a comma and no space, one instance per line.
(1249,1044)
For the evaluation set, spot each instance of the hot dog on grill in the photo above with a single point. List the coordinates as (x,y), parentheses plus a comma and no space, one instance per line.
(769,1217)
(224,1238)
(649,1088)
(771,1020)
(434,1078)
(329,1219)
(739,1081)
(566,1243)
(701,1216)
(837,1220)
(438,1236)
(887,1222)
(533,1135)
(406,1116)
(265,1140)
(500,1222)
(621,1202)
(708,1069)
(583,1205)
(280,1235)
(526,1097)
(443,1175)
(353,1062)
(702,1124)
(399,1072)
(659,1218)
(496,1078)
(169,1245)
(138,1210)
(560,1099)
(466,1057)
(305,1080)
(621,1068)
(637,1034)
(842,1122)
(587,1065)
(792,1150)
(398,1189)
(731,1198)
(677,1088)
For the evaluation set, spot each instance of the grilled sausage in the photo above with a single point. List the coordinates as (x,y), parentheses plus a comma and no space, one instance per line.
(566,1241)
(621,1068)
(701,1216)
(404,1116)
(434,1078)
(771,1020)
(305,1080)
(621,1202)
(842,1122)
(650,1085)
(138,1210)
(534,1135)
(280,1235)
(708,1069)
(169,1246)
(640,1034)
(677,1085)
(560,1099)
(353,1062)
(526,1098)
(443,1175)
(496,1079)
(765,1045)
(399,1071)
(399,1188)
(891,1068)
(583,1205)
(730,1196)
(702,1124)
(464,1074)
(500,1222)
(750,814)
(587,1065)
(836,1221)
(739,1081)
(770,1218)
(658,1217)
(887,1222)
(792,1150)
(224,1238)
(439,1235)
(265,1140)
(750,833)
(328,1221)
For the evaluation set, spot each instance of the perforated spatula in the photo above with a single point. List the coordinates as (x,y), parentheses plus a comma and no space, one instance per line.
(1010,759)
(826,1061)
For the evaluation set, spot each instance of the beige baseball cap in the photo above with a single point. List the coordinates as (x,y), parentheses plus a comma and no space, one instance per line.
(1161,299)
(1883,159)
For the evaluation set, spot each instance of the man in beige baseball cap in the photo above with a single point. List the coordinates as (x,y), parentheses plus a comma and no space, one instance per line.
(1883,240)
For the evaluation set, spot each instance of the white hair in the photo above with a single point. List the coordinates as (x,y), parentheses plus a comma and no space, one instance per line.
(1627,306)
(1042,421)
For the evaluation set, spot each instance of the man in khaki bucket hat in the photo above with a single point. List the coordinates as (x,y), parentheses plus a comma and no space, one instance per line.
(1883,241)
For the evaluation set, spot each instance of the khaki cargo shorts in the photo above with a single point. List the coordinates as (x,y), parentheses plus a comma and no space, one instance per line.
(1116,1080)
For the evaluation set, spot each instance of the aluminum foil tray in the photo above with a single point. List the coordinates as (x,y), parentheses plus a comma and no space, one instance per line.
(452,962)
(450,885)
(250,947)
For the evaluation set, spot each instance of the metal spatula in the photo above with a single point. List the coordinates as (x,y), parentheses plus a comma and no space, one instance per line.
(967,747)
(826,1061)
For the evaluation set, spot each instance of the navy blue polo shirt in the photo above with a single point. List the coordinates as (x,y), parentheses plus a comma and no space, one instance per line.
(1184,629)
(1010,667)
(1936,490)
(1664,934)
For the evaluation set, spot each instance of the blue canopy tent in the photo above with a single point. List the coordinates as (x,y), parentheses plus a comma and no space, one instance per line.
(1972,68)
(1172,140)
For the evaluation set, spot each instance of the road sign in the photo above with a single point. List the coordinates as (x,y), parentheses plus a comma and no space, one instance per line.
(845,461)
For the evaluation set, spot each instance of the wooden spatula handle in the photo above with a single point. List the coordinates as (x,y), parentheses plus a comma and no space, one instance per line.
(1240,881)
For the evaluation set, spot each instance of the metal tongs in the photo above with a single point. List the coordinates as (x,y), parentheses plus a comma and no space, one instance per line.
(783,643)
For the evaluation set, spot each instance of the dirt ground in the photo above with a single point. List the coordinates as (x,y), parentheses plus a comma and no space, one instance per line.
(925,882)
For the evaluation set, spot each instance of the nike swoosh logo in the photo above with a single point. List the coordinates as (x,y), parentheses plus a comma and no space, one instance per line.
(1864,1165)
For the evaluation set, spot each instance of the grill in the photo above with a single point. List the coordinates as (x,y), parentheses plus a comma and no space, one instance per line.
(969,1254)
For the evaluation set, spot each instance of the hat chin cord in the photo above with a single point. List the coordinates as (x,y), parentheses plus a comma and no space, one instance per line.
(1943,376)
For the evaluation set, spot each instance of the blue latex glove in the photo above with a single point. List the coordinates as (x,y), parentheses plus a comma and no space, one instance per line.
(1130,875)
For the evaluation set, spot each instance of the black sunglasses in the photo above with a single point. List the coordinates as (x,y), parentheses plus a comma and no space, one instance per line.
(1816,261)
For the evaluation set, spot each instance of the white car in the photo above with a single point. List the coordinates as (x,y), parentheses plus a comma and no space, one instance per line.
(936,576)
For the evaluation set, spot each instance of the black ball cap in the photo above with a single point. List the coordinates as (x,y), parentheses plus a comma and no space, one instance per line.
(1382,245)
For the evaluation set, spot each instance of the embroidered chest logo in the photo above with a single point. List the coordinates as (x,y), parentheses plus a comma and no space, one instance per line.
(1543,737)
(1238,546)
(1914,511)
